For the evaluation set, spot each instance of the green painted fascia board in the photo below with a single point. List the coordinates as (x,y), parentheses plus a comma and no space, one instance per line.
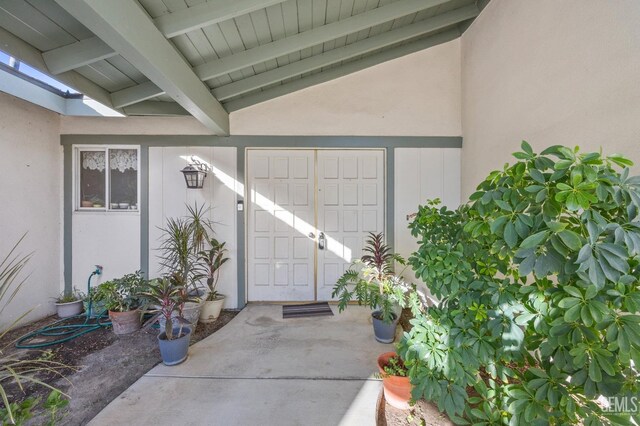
(268,141)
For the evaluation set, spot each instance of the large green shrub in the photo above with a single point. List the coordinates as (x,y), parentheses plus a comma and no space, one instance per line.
(538,285)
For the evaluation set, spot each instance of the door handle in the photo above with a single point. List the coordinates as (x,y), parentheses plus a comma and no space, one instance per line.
(312,235)
(321,241)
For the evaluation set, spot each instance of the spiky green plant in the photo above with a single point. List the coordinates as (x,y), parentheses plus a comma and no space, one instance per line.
(209,263)
(14,370)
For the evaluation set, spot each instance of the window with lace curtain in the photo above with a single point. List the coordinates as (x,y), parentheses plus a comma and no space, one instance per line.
(107,178)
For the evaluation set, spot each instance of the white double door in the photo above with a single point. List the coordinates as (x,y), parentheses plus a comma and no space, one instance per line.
(309,213)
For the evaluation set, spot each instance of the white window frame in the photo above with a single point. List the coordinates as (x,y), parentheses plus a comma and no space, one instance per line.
(107,187)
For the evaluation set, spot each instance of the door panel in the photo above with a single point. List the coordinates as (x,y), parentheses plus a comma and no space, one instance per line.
(285,223)
(280,215)
(350,205)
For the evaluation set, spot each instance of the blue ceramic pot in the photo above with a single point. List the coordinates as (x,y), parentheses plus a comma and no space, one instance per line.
(384,332)
(174,351)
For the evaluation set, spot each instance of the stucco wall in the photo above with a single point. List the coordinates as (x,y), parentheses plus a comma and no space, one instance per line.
(551,72)
(30,189)
(416,95)
(132,126)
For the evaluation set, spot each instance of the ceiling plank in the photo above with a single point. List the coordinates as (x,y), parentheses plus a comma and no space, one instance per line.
(18,48)
(155,108)
(125,26)
(76,55)
(343,70)
(132,95)
(312,37)
(389,38)
(204,14)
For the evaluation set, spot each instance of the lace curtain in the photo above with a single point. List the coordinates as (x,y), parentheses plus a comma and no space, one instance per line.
(119,159)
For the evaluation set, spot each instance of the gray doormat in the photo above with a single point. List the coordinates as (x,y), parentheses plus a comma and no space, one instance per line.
(306,310)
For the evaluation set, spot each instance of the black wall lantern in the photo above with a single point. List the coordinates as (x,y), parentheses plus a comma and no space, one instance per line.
(194,174)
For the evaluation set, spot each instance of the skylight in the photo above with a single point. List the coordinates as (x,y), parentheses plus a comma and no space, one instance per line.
(74,102)
(34,73)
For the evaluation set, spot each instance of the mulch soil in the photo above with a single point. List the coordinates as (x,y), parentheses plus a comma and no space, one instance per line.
(101,365)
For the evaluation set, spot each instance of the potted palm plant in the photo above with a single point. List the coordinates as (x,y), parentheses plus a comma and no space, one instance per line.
(209,263)
(68,305)
(165,299)
(183,239)
(121,297)
(371,281)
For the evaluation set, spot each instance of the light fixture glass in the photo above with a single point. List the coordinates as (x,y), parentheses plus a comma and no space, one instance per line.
(194,175)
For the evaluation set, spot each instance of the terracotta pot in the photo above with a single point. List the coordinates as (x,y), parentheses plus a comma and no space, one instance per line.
(397,390)
(125,322)
(211,310)
(86,203)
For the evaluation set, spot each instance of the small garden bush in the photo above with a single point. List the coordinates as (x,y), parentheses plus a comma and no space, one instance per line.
(538,285)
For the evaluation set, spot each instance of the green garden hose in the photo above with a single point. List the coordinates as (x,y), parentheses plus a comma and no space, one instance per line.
(66,332)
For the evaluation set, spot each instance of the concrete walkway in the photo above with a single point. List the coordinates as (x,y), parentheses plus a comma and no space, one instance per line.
(263,370)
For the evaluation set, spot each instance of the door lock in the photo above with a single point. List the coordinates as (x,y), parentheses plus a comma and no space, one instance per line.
(312,235)
(321,241)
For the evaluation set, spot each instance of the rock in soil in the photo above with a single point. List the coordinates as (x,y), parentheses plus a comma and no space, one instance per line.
(103,365)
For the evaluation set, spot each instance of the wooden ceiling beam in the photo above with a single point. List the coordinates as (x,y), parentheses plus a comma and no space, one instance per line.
(294,43)
(20,49)
(389,38)
(135,94)
(209,13)
(126,27)
(76,55)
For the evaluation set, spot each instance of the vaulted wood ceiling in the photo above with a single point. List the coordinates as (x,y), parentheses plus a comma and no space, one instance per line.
(207,58)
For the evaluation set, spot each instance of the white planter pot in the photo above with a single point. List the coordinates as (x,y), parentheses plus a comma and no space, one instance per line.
(211,310)
(191,312)
(66,310)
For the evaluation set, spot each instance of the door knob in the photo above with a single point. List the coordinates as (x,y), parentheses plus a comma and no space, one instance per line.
(321,241)
(312,235)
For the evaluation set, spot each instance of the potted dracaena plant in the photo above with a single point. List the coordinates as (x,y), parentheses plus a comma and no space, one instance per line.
(371,281)
(121,296)
(209,263)
(165,299)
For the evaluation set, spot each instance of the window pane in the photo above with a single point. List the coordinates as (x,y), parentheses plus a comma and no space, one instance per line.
(92,178)
(123,174)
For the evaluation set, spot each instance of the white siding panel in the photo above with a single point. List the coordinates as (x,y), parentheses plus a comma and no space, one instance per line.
(109,239)
(422,174)
(169,196)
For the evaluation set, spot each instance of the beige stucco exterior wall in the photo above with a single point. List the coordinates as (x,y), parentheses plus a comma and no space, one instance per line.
(132,126)
(416,95)
(551,72)
(31,192)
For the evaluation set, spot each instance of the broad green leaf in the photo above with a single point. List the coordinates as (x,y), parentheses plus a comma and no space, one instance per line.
(620,160)
(573,291)
(534,240)
(568,302)
(537,175)
(570,239)
(510,235)
(572,314)
(526,147)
